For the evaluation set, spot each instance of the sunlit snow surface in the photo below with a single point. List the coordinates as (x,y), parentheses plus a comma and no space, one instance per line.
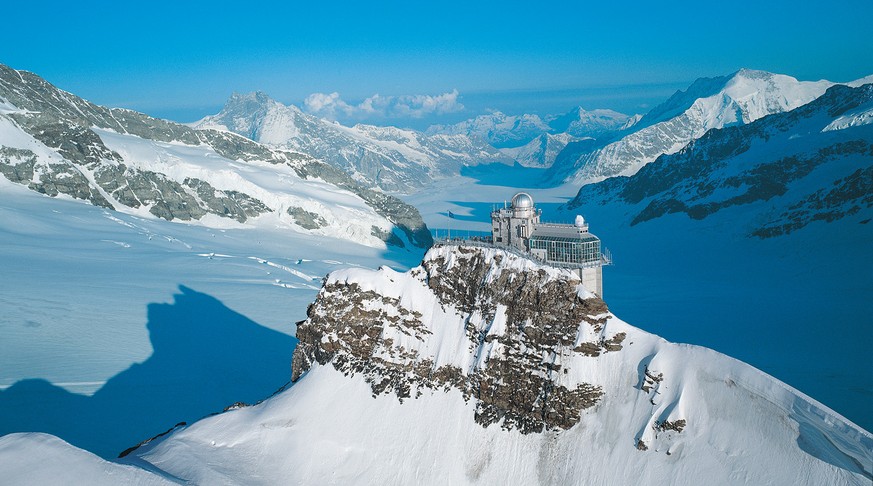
(117,326)
(187,319)
(34,458)
(743,427)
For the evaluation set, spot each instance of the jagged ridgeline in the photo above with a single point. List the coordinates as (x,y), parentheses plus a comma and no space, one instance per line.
(814,163)
(69,154)
(515,326)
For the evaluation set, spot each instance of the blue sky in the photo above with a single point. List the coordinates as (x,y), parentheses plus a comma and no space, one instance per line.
(181,60)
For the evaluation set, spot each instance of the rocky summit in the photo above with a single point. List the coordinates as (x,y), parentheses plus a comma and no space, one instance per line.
(483,367)
(519,327)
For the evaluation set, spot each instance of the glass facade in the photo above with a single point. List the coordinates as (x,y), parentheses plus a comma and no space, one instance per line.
(582,251)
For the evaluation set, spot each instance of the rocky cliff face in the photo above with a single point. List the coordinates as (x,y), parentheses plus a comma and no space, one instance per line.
(519,328)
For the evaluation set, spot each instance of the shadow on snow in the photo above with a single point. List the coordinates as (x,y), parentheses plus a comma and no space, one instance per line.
(206,357)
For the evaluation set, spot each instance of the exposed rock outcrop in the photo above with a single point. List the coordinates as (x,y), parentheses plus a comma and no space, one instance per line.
(519,323)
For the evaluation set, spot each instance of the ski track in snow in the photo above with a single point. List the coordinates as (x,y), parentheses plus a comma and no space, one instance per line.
(145,231)
(277,282)
(285,268)
(119,243)
(78,315)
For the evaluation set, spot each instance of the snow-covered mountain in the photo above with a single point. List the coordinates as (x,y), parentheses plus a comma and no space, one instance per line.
(582,123)
(810,164)
(57,143)
(516,131)
(541,151)
(391,158)
(752,229)
(737,99)
(34,458)
(497,128)
(482,367)
(476,367)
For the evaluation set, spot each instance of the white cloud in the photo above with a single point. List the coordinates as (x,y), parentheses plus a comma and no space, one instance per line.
(332,106)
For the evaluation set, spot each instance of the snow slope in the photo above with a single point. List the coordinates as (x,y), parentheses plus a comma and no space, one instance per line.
(667,413)
(541,151)
(740,98)
(57,143)
(45,459)
(115,327)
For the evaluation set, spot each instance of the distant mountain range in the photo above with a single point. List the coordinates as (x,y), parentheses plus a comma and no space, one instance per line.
(57,143)
(390,158)
(403,160)
(813,163)
(708,103)
(508,131)
(576,147)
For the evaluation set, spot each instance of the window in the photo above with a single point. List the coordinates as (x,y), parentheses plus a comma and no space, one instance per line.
(568,250)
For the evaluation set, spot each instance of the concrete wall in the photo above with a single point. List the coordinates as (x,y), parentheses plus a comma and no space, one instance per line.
(512,227)
(592,279)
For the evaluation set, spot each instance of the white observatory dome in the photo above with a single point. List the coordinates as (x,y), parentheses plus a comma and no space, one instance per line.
(580,221)
(522,200)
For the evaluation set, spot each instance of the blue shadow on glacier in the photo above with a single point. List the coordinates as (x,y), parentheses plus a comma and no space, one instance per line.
(206,357)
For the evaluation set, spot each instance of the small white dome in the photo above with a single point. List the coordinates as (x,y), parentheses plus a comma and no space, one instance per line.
(522,200)
(580,221)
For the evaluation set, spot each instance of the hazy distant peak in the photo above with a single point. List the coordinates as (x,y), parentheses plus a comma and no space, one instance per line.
(752,74)
(758,93)
(256,96)
(735,99)
(682,99)
(580,122)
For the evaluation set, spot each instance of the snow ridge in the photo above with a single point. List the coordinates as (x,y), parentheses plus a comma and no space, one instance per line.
(56,143)
(708,103)
(381,373)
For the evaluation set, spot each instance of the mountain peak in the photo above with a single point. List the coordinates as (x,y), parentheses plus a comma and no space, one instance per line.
(735,99)
(258,96)
(580,122)
(249,103)
(753,74)
(245,114)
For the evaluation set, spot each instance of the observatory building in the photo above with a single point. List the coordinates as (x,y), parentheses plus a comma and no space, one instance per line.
(563,245)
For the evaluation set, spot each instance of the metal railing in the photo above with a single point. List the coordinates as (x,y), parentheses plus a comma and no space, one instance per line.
(605,258)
